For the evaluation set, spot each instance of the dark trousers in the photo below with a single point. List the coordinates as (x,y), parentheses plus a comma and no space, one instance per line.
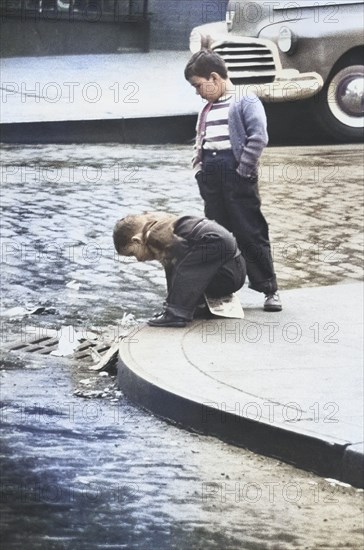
(205,268)
(234,202)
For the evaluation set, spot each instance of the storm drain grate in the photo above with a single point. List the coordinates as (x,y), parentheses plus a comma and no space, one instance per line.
(43,345)
(83,350)
(46,344)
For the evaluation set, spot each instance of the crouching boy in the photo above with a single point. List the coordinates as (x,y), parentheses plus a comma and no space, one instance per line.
(199,256)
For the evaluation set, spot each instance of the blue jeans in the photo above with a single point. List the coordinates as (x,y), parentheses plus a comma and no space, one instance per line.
(234,202)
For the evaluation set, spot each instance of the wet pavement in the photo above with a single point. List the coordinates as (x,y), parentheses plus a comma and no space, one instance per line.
(99,473)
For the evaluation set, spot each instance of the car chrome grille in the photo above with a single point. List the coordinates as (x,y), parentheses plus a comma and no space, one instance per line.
(250,62)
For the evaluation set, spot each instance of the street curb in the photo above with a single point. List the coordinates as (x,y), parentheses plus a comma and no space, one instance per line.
(145,130)
(313,454)
(353,465)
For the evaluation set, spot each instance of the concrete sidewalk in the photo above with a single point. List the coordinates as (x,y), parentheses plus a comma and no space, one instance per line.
(287,384)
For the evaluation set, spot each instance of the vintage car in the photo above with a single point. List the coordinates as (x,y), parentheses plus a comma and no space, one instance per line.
(294,50)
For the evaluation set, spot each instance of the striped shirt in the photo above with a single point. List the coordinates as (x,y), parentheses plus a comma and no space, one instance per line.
(217,128)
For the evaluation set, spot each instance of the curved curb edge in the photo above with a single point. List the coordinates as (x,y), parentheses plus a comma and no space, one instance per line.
(309,453)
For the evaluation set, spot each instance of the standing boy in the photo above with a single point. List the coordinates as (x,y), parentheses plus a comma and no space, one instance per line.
(230,137)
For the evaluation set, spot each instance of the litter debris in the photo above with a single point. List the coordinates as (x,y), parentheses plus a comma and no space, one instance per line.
(227,306)
(336,482)
(20,311)
(92,335)
(107,359)
(111,392)
(16,312)
(74,285)
(68,341)
(95,354)
(86,381)
(43,311)
(88,393)
(128,320)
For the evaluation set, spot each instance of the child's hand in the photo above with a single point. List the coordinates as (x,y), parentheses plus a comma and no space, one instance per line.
(246,173)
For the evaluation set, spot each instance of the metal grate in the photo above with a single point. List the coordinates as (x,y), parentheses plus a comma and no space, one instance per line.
(247,63)
(46,344)
(82,352)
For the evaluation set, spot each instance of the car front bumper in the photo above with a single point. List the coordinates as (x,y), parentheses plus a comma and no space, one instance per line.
(289,85)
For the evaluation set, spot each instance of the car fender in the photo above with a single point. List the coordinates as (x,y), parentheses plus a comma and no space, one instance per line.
(317,47)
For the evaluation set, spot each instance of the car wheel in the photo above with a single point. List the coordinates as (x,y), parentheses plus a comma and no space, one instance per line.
(339,107)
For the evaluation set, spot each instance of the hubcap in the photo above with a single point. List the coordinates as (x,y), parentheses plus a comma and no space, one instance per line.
(346,96)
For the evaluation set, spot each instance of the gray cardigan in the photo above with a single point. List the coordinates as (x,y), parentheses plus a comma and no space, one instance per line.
(248,133)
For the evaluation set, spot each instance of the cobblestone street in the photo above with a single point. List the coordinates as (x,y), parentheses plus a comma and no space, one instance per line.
(60,205)
(313,200)
(100,473)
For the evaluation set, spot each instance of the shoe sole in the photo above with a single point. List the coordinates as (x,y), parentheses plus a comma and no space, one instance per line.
(167,325)
(272,308)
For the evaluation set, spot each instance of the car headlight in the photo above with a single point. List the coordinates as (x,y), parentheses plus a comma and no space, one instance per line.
(286,40)
(230,14)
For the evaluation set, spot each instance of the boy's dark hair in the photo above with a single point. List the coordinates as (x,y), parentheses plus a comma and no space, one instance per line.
(124,230)
(203,63)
